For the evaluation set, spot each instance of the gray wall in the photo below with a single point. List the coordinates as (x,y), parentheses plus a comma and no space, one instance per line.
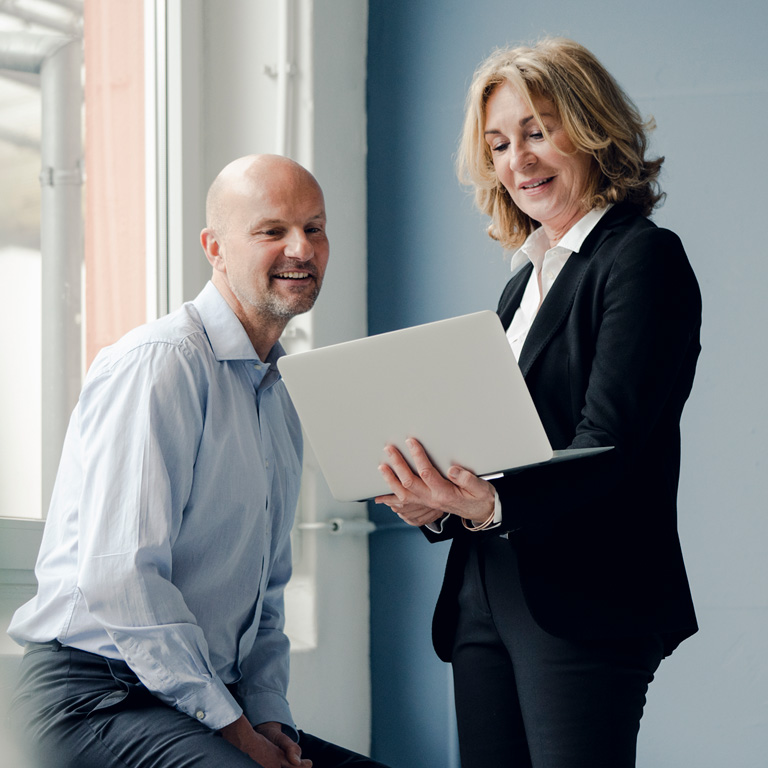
(702,70)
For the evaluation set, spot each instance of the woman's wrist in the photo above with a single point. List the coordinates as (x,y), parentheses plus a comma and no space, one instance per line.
(485,523)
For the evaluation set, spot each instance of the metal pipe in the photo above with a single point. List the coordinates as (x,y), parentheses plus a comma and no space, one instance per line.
(71,27)
(285,73)
(354,525)
(26,52)
(76,6)
(61,245)
(340,525)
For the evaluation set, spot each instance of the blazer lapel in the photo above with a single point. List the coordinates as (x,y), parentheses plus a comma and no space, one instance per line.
(559,301)
(513,294)
(553,311)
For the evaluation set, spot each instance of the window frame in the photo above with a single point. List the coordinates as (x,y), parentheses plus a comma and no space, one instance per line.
(20,537)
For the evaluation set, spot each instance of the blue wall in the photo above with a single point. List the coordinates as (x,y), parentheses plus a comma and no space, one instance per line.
(702,70)
(428,259)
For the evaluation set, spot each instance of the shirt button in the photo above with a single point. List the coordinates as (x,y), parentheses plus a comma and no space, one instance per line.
(257,367)
(200,715)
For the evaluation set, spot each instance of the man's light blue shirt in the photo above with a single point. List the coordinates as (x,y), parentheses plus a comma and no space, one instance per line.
(168,538)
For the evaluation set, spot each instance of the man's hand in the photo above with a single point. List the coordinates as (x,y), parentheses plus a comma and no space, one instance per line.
(292,751)
(266,744)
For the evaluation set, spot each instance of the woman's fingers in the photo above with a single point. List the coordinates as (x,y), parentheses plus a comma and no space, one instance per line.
(424,467)
(392,478)
(425,495)
(418,515)
(471,484)
(401,469)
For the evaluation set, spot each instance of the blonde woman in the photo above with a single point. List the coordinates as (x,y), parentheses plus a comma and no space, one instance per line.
(565,585)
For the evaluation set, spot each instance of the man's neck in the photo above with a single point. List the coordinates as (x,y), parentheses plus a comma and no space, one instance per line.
(262,331)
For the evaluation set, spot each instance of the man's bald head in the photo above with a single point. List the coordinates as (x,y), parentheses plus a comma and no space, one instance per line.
(266,242)
(244,177)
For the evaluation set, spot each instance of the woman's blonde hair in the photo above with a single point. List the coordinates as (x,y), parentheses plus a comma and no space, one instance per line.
(596,114)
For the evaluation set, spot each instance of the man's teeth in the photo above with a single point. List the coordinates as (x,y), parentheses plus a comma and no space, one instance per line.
(537,184)
(294,275)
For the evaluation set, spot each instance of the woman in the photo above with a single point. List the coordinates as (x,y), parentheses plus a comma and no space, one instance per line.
(565,584)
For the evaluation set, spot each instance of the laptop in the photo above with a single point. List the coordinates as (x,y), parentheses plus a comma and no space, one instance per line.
(454,385)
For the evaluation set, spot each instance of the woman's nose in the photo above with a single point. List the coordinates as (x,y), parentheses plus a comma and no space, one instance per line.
(519,157)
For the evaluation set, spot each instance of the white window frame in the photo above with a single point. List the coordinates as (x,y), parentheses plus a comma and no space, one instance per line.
(58,61)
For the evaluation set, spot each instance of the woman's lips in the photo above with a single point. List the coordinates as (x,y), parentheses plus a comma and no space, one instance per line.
(534,184)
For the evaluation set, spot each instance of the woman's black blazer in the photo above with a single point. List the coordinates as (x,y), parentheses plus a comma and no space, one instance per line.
(609,360)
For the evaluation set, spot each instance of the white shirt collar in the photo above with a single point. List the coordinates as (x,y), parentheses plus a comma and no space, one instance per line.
(537,244)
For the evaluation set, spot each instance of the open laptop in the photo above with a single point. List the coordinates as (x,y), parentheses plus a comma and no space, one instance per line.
(454,385)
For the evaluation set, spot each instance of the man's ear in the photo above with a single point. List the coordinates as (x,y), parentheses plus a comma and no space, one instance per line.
(210,244)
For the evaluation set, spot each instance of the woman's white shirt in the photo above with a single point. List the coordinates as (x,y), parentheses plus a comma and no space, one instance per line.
(547,264)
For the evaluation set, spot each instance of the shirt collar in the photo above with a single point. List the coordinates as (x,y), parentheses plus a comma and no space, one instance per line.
(225,332)
(536,244)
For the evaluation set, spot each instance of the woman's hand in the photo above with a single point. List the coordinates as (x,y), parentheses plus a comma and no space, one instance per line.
(426,496)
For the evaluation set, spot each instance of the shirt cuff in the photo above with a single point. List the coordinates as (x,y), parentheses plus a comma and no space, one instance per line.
(268,707)
(213,706)
(437,525)
(496,508)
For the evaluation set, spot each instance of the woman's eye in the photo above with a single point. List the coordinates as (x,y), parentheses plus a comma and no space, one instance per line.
(500,147)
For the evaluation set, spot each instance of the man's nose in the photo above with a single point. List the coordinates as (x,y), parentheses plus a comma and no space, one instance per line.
(298,246)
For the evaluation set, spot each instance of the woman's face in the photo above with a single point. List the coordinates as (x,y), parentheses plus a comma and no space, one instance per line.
(543,183)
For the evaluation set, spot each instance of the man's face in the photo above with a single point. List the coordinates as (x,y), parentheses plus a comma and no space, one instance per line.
(274,249)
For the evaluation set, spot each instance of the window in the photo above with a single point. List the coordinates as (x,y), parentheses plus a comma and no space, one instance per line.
(20,262)
(72,283)
(89,285)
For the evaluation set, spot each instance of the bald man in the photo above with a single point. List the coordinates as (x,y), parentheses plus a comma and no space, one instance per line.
(156,635)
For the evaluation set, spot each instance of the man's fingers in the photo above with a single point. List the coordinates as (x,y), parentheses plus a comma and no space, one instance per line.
(289,746)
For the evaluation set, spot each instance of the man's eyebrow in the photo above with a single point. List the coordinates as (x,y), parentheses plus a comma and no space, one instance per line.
(269,223)
(261,223)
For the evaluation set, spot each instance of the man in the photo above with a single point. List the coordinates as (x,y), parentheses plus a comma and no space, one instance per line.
(156,636)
